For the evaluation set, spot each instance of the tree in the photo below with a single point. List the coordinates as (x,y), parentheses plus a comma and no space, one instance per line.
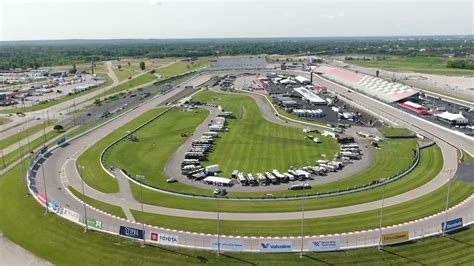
(119,67)
(129,64)
(73,70)
(142,65)
(97,102)
(58,127)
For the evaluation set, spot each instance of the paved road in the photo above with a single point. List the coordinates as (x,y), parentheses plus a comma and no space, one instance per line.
(12,254)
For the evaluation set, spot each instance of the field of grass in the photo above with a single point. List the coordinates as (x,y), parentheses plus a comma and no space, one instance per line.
(25,133)
(158,142)
(390,132)
(420,207)
(145,78)
(255,145)
(430,165)
(93,174)
(64,243)
(36,143)
(181,67)
(428,65)
(112,209)
(4,121)
(127,70)
(55,102)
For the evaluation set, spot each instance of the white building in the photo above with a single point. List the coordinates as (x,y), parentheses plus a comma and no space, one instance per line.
(451,118)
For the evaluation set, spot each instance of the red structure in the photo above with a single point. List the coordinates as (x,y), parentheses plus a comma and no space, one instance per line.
(419,109)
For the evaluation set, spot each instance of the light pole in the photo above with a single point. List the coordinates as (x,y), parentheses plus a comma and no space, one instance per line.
(302,228)
(3,159)
(44,184)
(140,178)
(447,201)
(218,231)
(81,172)
(381,219)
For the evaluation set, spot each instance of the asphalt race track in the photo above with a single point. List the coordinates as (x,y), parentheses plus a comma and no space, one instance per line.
(60,172)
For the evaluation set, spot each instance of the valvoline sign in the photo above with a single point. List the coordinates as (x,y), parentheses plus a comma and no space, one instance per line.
(276,246)
(452,225)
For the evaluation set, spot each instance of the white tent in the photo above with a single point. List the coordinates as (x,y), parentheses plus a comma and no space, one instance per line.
(218,180)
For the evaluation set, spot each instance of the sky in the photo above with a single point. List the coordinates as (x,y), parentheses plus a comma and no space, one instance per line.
(164,19)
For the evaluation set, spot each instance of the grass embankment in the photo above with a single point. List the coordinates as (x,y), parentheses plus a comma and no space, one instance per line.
(34,144)
(112,209)
(143,79)
(256,145)
(181,67)
(93,174)
(430,165)
(421,207)
(393,132)
(58,101)
(158,142)
(64,243)
(131,66)
(4,121)
(421,64)
(24,133)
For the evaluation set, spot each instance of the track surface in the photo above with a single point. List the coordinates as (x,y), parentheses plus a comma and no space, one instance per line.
(60,172)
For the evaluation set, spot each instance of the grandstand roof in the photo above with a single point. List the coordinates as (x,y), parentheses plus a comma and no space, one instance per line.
(373,86)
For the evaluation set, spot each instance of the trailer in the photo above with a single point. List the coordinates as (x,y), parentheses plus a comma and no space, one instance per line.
(262,179)
(290,176)
(211,169)
(272,178)
(235,173)
(252,180)
(242,180)
(210,133)
(302,175)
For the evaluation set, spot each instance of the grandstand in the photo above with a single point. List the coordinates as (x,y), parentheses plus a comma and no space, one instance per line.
(376,87)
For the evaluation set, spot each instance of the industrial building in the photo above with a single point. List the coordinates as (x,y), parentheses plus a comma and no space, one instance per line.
(452,119)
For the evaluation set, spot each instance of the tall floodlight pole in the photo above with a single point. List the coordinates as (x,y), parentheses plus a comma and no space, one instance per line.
(28,139)
(141,178)
(44,184)
(81,172)
(44,131)
(447,202)
(218,231)
(302,228)
(3,159)
(20,148)
(381,218)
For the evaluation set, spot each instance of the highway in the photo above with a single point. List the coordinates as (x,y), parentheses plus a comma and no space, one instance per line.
(60,173)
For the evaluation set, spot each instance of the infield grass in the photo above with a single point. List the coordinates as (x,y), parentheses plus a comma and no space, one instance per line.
(423,206)
(391,132)
(64,243)
(109,208)
(181,67)
(421,64)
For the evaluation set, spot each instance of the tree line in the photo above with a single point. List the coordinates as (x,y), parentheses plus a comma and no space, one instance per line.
(35,54)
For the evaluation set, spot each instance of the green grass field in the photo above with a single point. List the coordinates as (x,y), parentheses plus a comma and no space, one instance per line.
(143,79)
(55,102)
(93,174)
(391,132)
(428,65)
(4,121)
(256,145)
(430,165)
(181,67)
(115,210)
(158,142)
(64,243)
(418,208)
(34,144)
(25,133)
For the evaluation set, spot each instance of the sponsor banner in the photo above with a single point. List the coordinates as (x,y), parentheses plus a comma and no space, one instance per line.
(276,246)
(395,237)
(70,215)
(131,232)
(452,225)
(225,244)
(91,222)
(42,198)
(164,238)
(54,206)
(324,245)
